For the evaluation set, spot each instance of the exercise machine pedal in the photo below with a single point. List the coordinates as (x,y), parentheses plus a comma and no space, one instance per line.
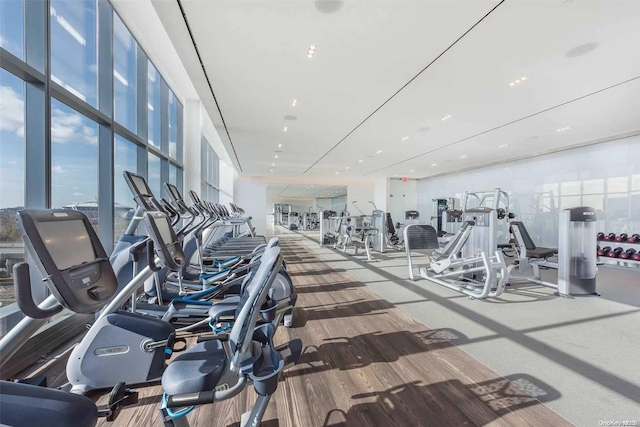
(119,397)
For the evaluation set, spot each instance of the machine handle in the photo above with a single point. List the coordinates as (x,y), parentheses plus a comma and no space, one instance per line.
(151,257)
(24,297)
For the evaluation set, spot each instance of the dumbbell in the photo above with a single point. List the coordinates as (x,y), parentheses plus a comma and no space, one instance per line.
(628,254)
(600,236)
(610,236)
(604,251)
(634,238)
(636,256)
(622,237)
(615,253)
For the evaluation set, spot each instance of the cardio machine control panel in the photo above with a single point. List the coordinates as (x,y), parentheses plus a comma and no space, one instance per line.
(166,244)
(70,257)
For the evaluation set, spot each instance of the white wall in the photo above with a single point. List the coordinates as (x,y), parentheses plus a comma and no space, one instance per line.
(604,176)
(362,194)
(403,196)
(381,193)
(251,196)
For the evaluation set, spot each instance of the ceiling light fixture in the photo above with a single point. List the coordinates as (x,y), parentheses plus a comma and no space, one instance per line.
(273,164)
(285,129)
(276,156)
(405,138)
(412,170)
(563,129)
(279,145)
(347,168)
(434,164)
(294,102)
(517,81)
(311,51)
(446,117)
(360,161)
(463,156)
(503,145)
(379,151)
(271,170)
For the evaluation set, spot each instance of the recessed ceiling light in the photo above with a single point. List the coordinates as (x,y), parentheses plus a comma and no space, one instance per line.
(517,81)
(294,102)
(347,168)
(311,51)
(405,138)
(273,164)
(463,156)
(379,151)
(279,145)
(285,129)
(360,161)
(563,129)
(271,170)
(412,170)
(448,116)
(503,145)
(276,156)
(337,173)
(434,164)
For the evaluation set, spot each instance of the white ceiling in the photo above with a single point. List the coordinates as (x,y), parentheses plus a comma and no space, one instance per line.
(307,191)
(387,70)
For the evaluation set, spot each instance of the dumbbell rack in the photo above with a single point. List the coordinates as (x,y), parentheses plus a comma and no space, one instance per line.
(629,263)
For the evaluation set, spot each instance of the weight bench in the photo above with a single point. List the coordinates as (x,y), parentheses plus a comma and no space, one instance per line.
(449,269)
(530,255)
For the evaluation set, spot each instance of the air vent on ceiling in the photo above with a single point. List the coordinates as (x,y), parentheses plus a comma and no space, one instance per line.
(583,49)
(291,117)
(328,6)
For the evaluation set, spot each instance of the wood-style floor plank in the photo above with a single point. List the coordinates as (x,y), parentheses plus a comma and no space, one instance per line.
(365,363)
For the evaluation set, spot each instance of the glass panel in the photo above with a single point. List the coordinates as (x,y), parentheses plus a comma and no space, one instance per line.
(74,56)
(74,161)
(570,202)
(12,27)
(173,125)
(635,208)
(154,175)
(124,75)
(635,182)
(594,201)
(173,175)
(153,105)
(12,176)
(618,184)
(593,186)
(125,159)
(570,188)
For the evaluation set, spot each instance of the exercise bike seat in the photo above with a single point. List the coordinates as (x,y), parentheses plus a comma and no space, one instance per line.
(197,369)
(29,405)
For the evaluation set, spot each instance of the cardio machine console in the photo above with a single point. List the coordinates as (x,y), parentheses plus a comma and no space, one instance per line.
(70,257)
(167,245)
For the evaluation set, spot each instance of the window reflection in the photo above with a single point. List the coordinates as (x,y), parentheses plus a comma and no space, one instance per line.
(124,75)
(12,27)
(154,179)
(74,56)
(125,159)
(74,161)
(12,178)
(153,105)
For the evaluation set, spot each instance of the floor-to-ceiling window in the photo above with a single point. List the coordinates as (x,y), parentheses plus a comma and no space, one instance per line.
(80,103)
(210,173)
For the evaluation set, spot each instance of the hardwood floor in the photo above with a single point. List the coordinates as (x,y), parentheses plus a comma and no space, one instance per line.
(366,363)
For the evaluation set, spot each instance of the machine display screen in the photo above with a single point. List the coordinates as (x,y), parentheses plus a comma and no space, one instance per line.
(174,192)
(164,228)
(140,185)
(67,242)
(194,196)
